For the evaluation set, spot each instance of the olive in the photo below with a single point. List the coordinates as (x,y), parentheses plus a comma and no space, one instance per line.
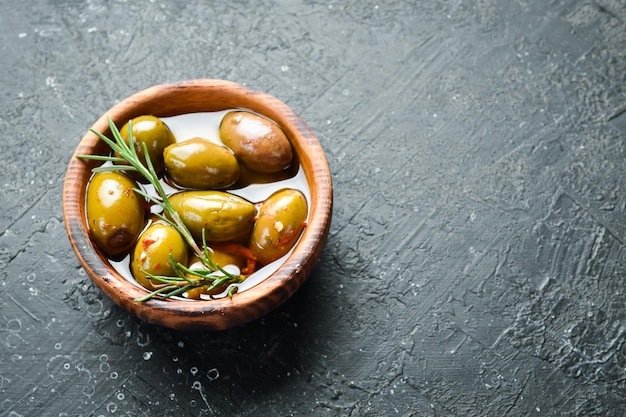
(223,216)
(256,141)
(220,258)
(197,265)
(115,212)
(155,134)
(198,163)
(152,253)
(280,222)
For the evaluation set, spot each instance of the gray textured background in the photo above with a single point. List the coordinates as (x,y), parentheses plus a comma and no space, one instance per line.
(475,265)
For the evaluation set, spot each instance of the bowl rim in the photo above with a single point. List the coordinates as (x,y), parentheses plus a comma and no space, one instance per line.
(248,305)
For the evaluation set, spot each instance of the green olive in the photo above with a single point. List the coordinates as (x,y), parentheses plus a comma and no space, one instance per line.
(256,141)
(155,134)
(198,163)
(115,213)
(220,258)
(223,216)
(280,222)
(152,253)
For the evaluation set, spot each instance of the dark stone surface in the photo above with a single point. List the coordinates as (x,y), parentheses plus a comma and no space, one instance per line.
(475,265)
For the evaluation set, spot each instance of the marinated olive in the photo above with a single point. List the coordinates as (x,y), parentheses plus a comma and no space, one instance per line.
(198,163)
(155,134)
(220,258)
(223,257)
(152,253)
(256,141)
(281,219)
(223,216)
(115,213)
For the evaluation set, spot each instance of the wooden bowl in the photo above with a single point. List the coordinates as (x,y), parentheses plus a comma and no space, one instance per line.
(203,95)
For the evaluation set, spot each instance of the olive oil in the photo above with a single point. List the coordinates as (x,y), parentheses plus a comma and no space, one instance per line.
(206,125)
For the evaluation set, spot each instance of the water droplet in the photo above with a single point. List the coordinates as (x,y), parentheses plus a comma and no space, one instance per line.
(89,390)
(120,396)
(213,374)
(57,346)
(113,375)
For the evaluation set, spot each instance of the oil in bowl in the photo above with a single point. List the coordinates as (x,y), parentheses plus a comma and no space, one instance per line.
(205,126)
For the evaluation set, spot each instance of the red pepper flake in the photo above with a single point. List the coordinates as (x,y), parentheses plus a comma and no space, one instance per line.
(146,243)
(287,238)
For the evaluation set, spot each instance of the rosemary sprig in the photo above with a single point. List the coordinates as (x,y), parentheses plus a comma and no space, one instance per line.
(188,279)
(213,275)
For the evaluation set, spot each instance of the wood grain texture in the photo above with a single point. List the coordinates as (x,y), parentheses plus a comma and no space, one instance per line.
(190,97)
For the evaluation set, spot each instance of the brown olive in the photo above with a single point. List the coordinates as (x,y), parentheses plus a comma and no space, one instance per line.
(280,222)
(198,163)
(152,253)
(257,142)
(115,213)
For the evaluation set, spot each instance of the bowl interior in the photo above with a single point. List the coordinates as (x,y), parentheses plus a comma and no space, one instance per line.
(191,97)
